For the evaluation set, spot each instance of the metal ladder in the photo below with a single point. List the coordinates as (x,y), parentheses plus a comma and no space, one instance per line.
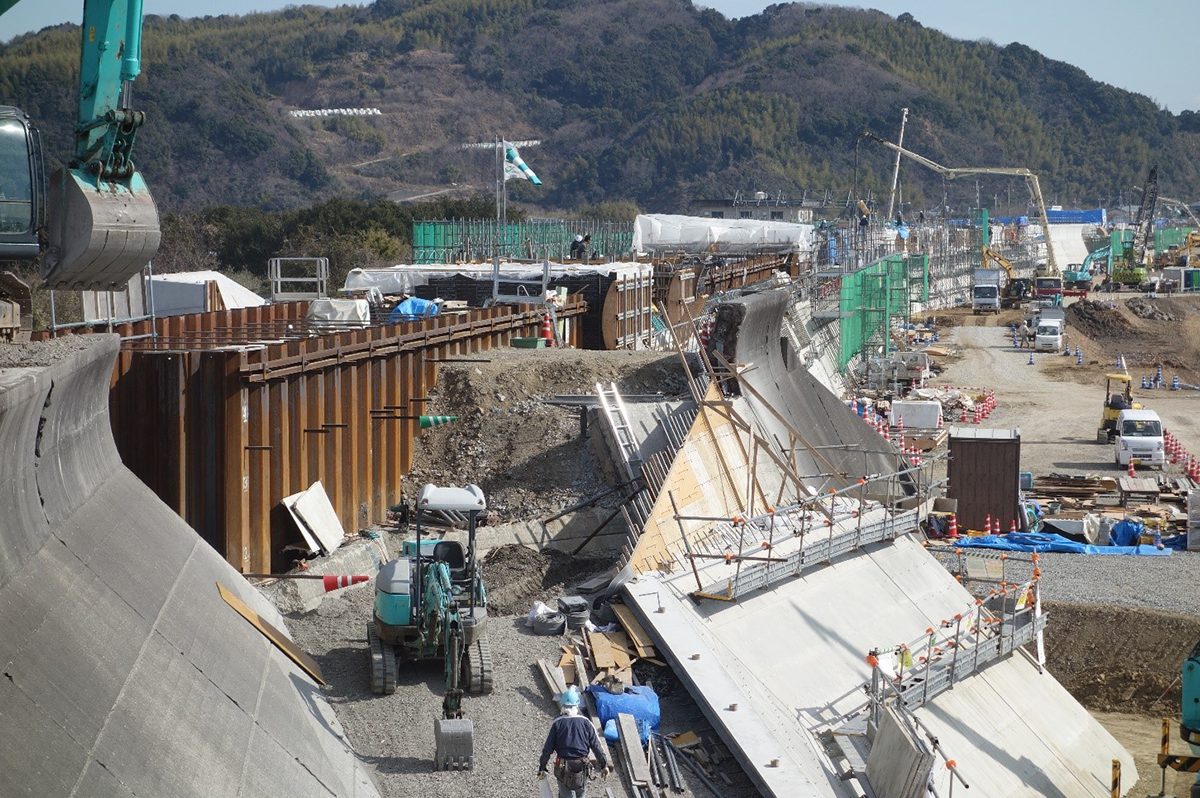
(617,418)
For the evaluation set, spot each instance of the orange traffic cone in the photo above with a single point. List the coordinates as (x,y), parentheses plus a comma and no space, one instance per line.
(952,531)
(547,330)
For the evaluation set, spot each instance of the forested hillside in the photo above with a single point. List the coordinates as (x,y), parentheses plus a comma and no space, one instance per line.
(654,101)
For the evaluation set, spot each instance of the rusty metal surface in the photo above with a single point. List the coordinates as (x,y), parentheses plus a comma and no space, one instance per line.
(226,413)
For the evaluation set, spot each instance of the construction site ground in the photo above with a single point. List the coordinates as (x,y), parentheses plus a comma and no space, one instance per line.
(1117,632)
(530,460)
(1121,638)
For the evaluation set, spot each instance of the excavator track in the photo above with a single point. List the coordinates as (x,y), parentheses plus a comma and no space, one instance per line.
(383,664)
(478,666)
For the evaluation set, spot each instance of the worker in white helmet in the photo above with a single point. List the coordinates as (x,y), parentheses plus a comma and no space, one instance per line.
(570,739)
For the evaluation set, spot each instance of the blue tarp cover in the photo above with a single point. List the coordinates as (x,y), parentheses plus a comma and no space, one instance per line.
(639,701)
(412,309)
(1045,542)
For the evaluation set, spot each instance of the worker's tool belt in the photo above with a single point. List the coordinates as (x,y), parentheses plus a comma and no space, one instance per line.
(572,773)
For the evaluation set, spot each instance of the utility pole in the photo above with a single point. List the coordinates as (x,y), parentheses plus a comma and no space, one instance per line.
(896,168)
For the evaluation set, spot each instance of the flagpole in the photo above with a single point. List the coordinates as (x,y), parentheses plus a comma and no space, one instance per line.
(499,185)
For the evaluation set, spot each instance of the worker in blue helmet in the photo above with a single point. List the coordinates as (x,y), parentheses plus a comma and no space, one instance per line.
(570,739)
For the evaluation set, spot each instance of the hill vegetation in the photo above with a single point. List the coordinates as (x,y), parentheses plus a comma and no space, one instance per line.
(653,101)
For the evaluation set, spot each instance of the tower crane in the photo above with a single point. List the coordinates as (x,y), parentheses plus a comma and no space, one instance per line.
(951,173)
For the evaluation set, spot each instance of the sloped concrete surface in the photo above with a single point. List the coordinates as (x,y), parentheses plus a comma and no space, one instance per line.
(777,668)
(125,674)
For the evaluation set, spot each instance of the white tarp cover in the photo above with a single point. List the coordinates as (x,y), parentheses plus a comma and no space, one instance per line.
(916,415)
(1067,240)
(405,279)
(670,233)
(174,294)
(340,312)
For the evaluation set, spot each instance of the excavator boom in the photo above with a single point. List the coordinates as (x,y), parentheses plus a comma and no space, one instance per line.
(100,224)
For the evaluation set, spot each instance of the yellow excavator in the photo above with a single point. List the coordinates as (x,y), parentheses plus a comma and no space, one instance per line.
(1017,290)
(94,222)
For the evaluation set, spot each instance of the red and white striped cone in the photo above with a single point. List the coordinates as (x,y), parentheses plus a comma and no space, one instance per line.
(941,423)
(887,433)
(987,524)
(996,525)
(962,419)
(1012,527)
(952,530)
(547,330)
(1131,472)
(338,581)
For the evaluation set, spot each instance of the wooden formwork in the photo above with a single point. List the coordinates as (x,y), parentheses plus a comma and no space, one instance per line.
(223,415)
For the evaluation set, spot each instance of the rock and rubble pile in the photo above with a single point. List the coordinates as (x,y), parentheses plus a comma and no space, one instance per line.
(527,455)
(1145,308)
(1098,321)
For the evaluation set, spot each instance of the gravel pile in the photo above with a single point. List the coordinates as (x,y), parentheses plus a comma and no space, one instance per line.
(517,576)
(1163,583)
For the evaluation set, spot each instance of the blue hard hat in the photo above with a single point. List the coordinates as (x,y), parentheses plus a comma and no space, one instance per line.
(569,698)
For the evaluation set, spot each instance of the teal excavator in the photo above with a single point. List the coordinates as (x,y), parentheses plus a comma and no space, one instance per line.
(94,222)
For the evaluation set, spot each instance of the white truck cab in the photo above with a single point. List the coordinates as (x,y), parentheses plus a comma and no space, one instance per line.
(1049,335)
(1139,437)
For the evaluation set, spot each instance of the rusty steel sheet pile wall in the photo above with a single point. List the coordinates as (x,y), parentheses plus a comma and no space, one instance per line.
(221,428)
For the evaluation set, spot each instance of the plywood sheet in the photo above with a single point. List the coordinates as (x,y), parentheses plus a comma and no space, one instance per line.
(269,631)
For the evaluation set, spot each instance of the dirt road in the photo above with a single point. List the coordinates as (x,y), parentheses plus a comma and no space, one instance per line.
(1054,403)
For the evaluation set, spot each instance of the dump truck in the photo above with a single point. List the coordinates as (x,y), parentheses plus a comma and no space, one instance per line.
(985,291)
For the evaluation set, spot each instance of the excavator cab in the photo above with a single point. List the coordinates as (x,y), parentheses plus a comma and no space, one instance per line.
(22,186)
(1118,396)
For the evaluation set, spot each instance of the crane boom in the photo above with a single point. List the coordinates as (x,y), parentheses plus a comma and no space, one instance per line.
(951,173)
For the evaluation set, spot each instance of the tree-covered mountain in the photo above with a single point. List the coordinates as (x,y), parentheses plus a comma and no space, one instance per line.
(656,101)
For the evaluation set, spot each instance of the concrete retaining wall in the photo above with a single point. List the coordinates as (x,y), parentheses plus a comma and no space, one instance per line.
(126,673)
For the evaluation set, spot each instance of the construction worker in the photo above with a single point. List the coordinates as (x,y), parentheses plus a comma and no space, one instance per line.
(570,739)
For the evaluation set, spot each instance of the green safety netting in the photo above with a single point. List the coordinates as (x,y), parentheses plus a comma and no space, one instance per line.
(873,297)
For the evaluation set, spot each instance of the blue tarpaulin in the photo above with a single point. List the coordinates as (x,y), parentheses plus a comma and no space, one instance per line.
(1046,542)
(639,701)
(412,309)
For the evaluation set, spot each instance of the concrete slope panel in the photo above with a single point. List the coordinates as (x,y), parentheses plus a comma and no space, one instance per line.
(793,659)
(126,672)
(748,331)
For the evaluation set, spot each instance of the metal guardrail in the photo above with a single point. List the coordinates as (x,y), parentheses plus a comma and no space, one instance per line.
(819,548)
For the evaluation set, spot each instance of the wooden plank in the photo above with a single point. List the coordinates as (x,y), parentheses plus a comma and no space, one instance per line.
(642,644)
(278,638)
(581,672)
(631,745)
(602,653)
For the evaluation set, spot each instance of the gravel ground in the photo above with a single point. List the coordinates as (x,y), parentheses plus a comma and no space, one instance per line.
(1161,583)
(394,734)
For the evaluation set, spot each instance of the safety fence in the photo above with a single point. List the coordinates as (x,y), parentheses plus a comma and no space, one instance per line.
(224,414)
(872,298)
(474,240)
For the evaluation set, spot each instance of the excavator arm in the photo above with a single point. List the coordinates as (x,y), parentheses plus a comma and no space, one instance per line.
(951,173)
(100,225)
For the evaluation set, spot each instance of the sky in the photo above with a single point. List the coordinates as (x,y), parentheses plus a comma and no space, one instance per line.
(1147,47)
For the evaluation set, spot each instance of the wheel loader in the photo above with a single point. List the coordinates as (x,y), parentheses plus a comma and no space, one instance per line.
(431,604)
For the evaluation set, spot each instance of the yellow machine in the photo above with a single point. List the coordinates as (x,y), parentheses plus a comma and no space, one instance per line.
(1118,396)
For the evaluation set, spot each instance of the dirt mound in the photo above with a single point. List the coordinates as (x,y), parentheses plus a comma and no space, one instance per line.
(1145,308)
(528,456)
(1119,658)
(1099,320)
(516,576)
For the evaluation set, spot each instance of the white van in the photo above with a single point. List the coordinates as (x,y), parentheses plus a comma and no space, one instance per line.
(1049,335)
(1139,437)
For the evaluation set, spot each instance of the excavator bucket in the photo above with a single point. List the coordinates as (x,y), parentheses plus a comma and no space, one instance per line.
(454,741)
(101,232)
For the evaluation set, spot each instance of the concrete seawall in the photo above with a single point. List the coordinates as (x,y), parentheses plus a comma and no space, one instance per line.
(125,672)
